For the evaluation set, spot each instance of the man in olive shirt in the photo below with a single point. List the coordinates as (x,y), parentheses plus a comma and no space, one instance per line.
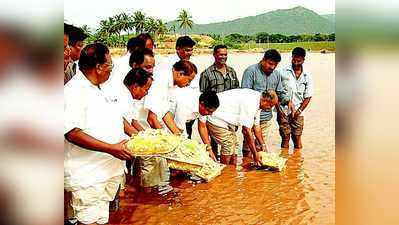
(218,77)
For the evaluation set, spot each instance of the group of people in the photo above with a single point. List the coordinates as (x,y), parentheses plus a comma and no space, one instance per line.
(107,101)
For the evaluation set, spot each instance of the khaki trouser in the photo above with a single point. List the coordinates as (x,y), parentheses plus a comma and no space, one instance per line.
(91,204)
(154,171)
(265,127)
(226,138)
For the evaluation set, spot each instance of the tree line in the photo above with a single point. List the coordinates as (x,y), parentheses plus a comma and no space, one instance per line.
(233,39)
(116,30)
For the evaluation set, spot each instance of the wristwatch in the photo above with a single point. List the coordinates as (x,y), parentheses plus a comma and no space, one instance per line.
(264,147)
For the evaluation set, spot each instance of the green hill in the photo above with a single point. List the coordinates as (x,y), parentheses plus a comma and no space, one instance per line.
(298,20)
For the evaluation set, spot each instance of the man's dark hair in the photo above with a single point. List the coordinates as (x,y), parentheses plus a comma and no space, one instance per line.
(92,55)
(209,99)
(137,76)
(134,44)
(67,28)
(185,41)
(76,34)
(298,51)
(186,66)
(273,55)
(137,56)
(145,37)
(217,47)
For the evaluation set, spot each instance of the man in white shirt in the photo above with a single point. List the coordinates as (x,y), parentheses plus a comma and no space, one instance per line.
(239,107)
(160,99)
(138,82)
(299,85)
(143,59)
(160,103)
(184,50)
(95,140)
(192,105)
(122,67)
(155,171)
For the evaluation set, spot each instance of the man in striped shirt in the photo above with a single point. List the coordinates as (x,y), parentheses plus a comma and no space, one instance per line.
(219,77)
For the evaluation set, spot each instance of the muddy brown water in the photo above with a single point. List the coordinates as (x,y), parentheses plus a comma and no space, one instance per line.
(304,193)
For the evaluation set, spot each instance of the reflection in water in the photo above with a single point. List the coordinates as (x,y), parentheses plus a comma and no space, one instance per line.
(243,196)
(303,193)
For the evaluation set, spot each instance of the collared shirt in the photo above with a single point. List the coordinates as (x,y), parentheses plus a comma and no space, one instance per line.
(114,84)
(88,108)
(69,72)
(212,79)
(166,64)
(160,94)
(254,78)
(297,88)
(187,108)
(238,107)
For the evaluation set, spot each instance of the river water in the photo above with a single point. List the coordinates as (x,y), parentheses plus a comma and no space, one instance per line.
(304,193)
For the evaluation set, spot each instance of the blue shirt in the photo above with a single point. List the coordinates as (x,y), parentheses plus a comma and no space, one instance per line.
(254,78)
(297,88)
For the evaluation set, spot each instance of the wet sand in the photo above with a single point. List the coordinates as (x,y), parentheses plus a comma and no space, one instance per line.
(304,193)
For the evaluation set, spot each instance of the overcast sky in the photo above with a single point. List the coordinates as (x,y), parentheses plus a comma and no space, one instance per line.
(90,12)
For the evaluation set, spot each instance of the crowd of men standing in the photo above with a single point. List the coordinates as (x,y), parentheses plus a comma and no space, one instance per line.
(106,101)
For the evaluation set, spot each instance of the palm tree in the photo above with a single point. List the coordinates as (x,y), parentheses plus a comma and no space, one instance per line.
(86,30)
(173,28)
(161,28)
(112,26)
(105,28)
(124,20)
(118,24)
(139,21)
(123,23)
(185,20)
(129,23)
(150,25)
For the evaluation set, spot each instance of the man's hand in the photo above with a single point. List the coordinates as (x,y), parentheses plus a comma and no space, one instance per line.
(210,152)
(291,107)
(265,148)
(120,151)
(257,159)
(296,113)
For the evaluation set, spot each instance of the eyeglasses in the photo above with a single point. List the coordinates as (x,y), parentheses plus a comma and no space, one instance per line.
(111,65)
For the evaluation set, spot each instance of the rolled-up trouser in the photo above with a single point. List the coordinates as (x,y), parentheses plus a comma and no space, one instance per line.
(91,204)
(226,137)
(287,125)
(154,171)
(265,126)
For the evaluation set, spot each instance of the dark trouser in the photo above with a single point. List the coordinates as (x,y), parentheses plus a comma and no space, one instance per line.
(289,126)
(189,128)
(129,164)
(214,146)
